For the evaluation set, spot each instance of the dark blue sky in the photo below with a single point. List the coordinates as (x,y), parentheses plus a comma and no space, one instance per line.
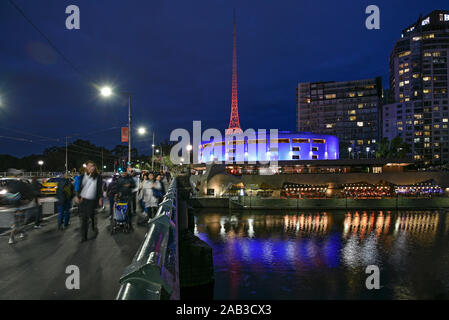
(176,58)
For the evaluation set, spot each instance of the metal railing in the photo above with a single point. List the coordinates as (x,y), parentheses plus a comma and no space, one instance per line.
(154,271)
(5,174)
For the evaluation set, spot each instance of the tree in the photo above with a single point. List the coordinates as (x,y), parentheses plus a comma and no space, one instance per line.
(396,148)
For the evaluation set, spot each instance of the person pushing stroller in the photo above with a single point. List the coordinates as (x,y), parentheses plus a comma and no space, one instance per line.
(125,186)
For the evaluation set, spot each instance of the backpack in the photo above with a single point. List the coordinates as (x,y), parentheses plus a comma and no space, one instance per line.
(67,189)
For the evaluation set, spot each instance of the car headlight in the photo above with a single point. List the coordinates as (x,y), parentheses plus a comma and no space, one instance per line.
(4,191)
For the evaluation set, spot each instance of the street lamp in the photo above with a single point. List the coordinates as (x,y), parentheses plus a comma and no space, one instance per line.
(107,92)
(141,130)
(349,151)
(40,163)
(367,152)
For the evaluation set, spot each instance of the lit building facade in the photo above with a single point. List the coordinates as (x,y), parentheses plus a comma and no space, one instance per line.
(286,146)
(419,87)
(349,110)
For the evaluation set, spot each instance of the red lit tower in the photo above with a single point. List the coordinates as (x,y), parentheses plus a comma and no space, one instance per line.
(234,123)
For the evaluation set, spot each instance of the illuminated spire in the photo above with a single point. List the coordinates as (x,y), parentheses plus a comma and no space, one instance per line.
(234,123)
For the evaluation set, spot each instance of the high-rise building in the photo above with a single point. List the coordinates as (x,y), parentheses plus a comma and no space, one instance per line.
(419,88)
(349,110)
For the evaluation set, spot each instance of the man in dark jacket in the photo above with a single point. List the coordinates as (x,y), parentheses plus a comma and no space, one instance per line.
(111,192)
(36,187)
(65,193)
(125,186)
(89,195)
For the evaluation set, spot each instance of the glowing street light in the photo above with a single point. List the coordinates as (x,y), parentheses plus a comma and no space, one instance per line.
(106,91)
(40,163)
(189,148)
(141,130)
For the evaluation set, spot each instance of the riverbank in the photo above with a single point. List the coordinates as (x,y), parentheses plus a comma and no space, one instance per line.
(253,203)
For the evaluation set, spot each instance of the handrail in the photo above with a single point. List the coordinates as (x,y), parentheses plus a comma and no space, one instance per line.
(154,268)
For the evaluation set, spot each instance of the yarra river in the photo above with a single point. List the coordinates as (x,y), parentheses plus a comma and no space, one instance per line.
(324,254)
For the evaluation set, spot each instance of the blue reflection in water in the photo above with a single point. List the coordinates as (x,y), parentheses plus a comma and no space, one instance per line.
(323,255)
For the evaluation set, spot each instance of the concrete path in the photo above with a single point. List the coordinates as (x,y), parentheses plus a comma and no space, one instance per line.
(34,268)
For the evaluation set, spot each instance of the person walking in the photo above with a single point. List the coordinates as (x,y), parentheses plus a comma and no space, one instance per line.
(158,188)
(36,189)
(89,196)
(135,177)
(65,193)
(150,201)
(125,186)
(111,191)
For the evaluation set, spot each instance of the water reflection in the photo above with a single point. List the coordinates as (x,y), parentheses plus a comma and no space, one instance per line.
(323,254)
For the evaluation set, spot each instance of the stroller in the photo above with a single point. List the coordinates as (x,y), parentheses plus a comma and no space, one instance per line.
(121,216)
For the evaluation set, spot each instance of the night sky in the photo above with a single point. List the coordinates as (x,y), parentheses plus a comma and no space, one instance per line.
(175,57)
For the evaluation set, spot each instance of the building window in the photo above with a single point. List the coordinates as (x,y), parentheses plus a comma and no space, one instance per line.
(296,149)
(322,141)
(296,157)
(300,140)
(314,157)
(314,148)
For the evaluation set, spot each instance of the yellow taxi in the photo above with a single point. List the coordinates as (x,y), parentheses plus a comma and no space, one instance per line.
(50,186)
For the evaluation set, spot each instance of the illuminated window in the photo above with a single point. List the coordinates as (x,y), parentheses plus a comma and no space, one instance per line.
(321,141)
(427,78)
(352,118)
(360,142)
(352,94)
(331,96)
(351,111)
(360,124)
(403,54)
(300,140)
(280,141)
(445,120)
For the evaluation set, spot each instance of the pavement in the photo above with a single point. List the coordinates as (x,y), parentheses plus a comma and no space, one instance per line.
(35,267)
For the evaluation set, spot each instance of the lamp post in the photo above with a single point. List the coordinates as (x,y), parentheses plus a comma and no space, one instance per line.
(189,149)
(106,92)
(367,152)
(349,151)
(40,163)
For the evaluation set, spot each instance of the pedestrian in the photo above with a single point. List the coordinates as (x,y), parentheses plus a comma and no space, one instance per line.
(134,192)
(150,201)
(65,193)
(125,187)
(159,189)
(165,182)
(111,191)
(89,196)
(18,226)
(36,189)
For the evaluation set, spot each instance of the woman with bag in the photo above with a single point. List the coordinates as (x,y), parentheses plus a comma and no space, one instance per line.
(147,195)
